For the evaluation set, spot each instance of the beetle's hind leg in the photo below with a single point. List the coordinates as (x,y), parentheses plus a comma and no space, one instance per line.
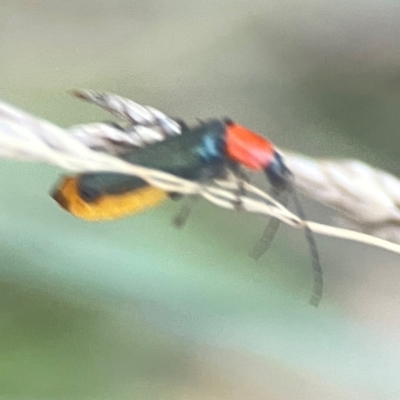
(182,216)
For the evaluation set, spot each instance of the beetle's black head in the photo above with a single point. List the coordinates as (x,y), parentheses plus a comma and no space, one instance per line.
(277,172)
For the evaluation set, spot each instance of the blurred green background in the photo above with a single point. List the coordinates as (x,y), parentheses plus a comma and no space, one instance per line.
(137,309)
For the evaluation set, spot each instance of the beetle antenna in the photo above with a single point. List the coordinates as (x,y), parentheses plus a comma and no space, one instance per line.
(316,264)
(264,243)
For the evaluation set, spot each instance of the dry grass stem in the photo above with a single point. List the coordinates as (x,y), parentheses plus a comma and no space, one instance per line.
(367,197)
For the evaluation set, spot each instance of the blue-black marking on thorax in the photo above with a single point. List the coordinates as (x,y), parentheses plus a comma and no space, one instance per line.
(211,148)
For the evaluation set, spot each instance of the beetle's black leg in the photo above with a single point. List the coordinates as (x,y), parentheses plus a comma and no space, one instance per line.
(240,177)
(181,217)
(175,196)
